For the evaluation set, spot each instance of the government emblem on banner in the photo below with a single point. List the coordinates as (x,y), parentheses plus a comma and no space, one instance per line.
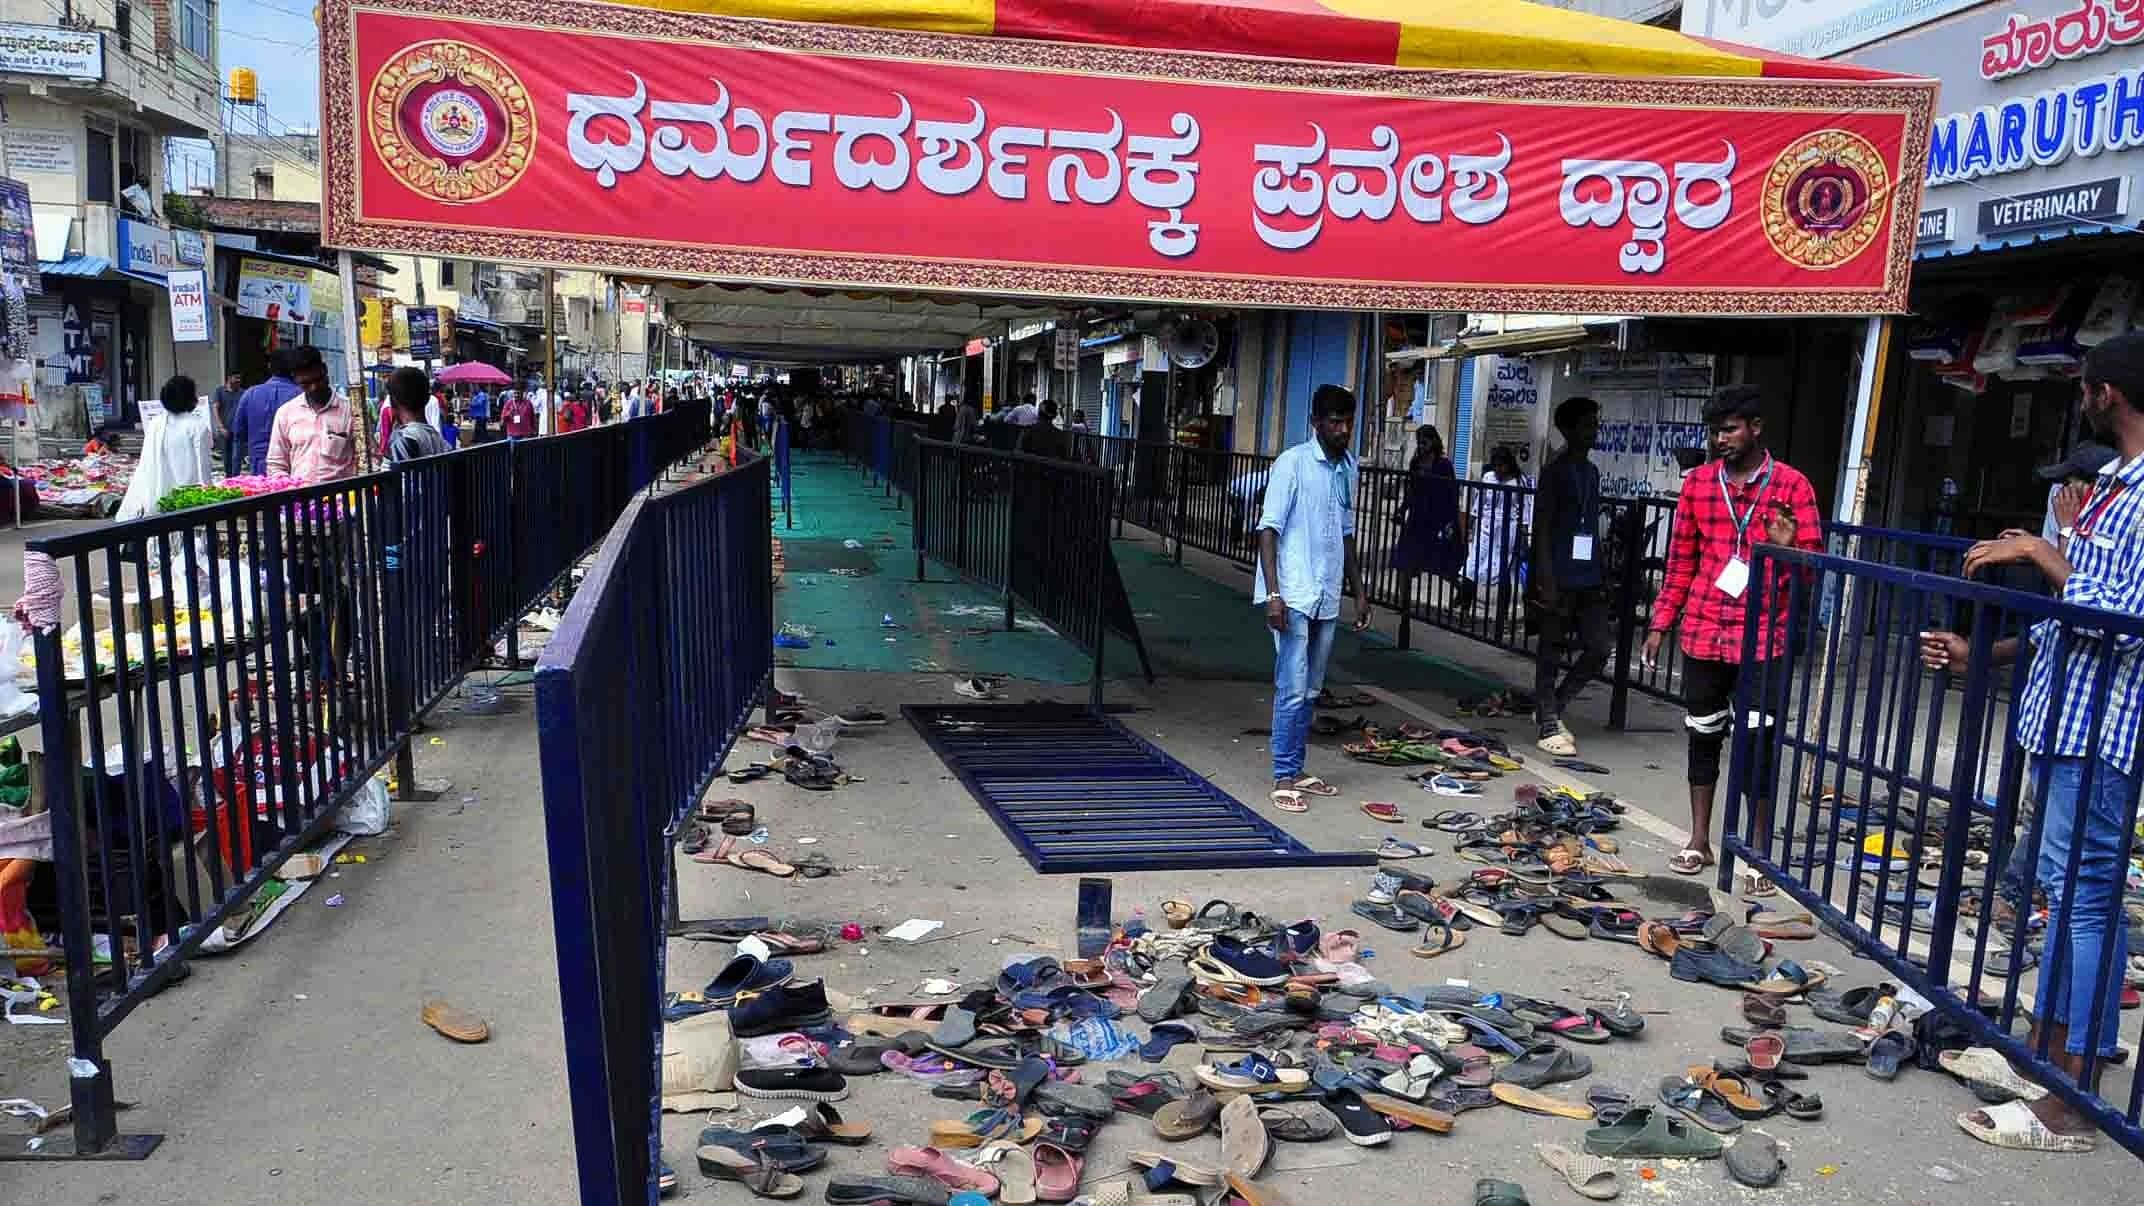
(451,121)
(1825,199)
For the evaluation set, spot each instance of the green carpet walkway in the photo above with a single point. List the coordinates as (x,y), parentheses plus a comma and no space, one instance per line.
(1194,627)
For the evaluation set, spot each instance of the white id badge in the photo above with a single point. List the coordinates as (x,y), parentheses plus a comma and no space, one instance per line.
(1581,547)
(1734,578)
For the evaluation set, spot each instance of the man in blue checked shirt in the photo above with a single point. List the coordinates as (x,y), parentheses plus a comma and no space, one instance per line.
(2090,794)
(1306,553)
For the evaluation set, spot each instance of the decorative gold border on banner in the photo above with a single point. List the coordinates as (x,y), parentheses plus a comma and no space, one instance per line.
(345,226)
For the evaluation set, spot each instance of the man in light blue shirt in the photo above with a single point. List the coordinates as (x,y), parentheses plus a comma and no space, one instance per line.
(1306,552)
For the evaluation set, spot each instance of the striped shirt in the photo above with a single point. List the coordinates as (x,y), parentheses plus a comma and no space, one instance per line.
(2100,676)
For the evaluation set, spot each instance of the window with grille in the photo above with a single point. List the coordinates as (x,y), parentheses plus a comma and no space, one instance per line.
(196,27)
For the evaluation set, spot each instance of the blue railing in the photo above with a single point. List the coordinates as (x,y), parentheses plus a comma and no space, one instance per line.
(1873,773)
(665,649)
(278,651)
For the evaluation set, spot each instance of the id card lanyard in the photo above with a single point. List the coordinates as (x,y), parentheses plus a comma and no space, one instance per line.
(1741,522)
(2096,507)
(1588,522)
(1734,576)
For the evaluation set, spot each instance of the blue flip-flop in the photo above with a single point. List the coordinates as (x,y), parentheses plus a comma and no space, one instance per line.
(1165,1036)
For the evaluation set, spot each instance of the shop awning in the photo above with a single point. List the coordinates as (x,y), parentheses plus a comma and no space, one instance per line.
(1532,341)
(77,266)
(1448,155)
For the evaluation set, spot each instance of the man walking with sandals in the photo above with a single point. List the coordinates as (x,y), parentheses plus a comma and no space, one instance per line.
(1306,556)
(1743,496)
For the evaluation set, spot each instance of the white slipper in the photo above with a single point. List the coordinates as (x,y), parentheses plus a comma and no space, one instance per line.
(2016,1127)
(1987,1066)
(1589,1175)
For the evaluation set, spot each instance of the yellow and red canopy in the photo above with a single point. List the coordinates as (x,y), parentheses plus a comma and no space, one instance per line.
(1471,35)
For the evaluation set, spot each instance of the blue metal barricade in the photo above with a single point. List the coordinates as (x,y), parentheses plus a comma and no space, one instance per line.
(231,676)
(1893,800)
(649,680)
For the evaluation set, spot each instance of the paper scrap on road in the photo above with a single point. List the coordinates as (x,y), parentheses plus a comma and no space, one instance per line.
(915,929)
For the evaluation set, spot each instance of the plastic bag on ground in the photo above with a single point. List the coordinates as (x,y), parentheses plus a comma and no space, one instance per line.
(366,813)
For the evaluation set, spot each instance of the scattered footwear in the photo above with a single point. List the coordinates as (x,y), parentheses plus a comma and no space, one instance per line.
(1252,1073)
(1888,1052)
(1647,1133)
(801,1084)
(755,1170)
(1543,1065)
(1056,1173)
(453,1022)
(1985,1068)
(1590,1175)
(1699,1104)
(1363,1126)
(1540,1103)
(1379,810)
(783,1008)
(1244,1142)
(1491,1192)
(929,1162)
(1014,1168)
(1298,1122)
(1754,1160)
(899,1191)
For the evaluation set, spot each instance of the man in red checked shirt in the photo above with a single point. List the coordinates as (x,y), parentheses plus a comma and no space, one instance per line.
(1728,504)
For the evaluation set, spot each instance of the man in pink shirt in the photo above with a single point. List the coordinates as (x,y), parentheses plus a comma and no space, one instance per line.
(313,438)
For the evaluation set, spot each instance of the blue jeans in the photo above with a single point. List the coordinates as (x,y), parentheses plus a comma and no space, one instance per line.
(2069,970)
(1299,656)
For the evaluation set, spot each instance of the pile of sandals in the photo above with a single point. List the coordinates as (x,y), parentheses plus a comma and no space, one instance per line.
(1461,753)
(740,842)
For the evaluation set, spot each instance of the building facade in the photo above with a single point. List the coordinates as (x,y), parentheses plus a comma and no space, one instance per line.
(92,92)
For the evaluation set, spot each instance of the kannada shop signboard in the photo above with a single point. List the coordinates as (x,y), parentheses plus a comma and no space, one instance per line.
(75,54)
(835,156)
(275,291)
(2043,107)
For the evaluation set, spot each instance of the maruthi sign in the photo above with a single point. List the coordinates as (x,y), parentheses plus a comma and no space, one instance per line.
(900,160)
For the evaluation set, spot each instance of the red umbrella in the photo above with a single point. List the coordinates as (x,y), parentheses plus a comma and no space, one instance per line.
(474,372)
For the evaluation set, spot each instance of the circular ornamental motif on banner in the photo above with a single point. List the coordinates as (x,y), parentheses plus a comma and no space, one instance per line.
(1825,199)
(451,121)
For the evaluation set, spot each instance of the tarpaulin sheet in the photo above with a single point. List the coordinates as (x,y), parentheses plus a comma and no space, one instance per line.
(986,159)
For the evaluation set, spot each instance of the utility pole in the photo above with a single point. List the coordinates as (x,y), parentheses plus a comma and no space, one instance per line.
(353,357)
(550,347)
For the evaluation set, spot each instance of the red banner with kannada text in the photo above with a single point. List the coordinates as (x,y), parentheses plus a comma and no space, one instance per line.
(668,144)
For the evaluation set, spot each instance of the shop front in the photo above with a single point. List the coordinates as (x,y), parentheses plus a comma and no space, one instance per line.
(2027,254)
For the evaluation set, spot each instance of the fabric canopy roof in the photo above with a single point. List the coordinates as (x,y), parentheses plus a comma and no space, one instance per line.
(1479,35)
(833,325)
